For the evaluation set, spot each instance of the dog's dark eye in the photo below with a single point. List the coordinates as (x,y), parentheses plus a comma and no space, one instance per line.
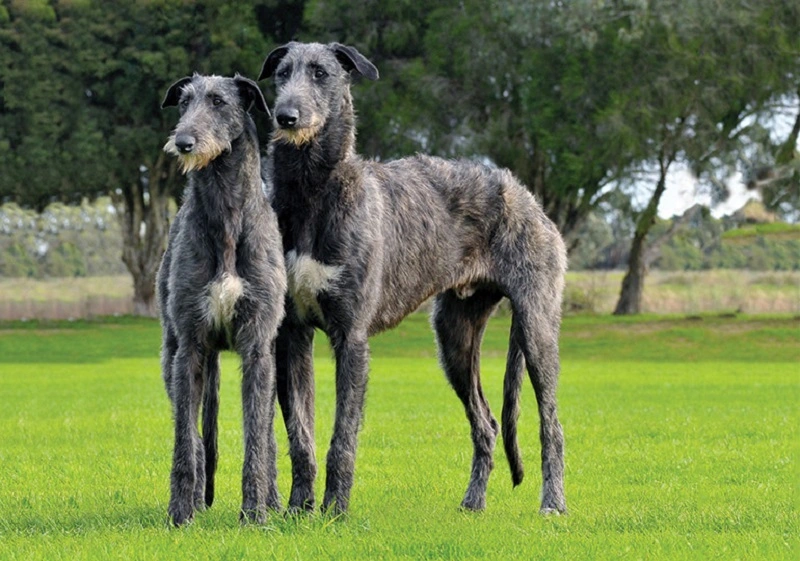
(284,73)
(217,101)
(185,102)
(320,73)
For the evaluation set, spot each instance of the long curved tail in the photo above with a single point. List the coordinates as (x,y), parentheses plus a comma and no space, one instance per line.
(210,413)
(512,386)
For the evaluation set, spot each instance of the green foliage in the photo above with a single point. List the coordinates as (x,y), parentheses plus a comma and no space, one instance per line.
(581,100)
(679,471)
(15,261)
(80,109)
(572,97)
(704,243)
(595,236)
(681,254)
(83,83)
(763,247)
(727,256)
(772,255)
(64,260)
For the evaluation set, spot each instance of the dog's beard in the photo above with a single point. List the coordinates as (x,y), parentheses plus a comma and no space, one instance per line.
(208,150)
(297,137)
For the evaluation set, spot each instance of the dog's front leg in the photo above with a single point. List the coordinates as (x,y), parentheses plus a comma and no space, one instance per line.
(352,363)
(295,373)
(259,472)
(186,392)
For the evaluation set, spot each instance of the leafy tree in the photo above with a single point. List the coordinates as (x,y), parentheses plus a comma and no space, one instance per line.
(698,93)
(582,100)
(506,82)
(80,111)
(772,167)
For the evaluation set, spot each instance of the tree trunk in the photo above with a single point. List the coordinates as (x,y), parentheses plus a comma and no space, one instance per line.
(630,296)
(787,152)
(143,211)
(144,293)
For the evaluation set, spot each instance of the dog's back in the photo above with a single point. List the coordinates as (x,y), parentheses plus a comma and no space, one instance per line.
(440,221)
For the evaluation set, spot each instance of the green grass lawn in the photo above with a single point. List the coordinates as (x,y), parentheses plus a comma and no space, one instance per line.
(681,442)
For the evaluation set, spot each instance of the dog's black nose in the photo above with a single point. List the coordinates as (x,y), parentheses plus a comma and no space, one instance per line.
(185,143)
(288,117)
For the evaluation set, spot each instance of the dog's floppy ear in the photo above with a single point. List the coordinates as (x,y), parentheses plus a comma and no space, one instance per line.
(273,60)
(351,59)
(174,92)
(251,93)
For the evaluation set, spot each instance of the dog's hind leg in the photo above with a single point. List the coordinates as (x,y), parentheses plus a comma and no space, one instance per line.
(459,325)
(295,381)
(537,321)
(210,414)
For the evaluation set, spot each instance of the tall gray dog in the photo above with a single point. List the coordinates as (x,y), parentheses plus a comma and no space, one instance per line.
(221,285)
(366,243)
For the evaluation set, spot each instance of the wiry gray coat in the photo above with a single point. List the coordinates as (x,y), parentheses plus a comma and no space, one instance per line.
(366,243)
(221,285)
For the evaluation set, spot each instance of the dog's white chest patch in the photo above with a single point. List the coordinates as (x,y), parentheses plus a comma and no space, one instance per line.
(307,277)
(222,297)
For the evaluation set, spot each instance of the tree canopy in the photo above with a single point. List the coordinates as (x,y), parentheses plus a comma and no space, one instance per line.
(82,84)
(581,99)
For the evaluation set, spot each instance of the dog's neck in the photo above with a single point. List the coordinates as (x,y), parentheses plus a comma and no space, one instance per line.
(222,190)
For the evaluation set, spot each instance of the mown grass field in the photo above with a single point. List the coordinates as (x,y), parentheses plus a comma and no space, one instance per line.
(682,443)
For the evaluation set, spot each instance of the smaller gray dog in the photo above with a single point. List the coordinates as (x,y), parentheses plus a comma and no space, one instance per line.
(221,285)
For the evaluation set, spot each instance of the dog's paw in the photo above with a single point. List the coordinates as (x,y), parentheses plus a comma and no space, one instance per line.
(551,511)
(333,508)
(252,516)
(301,502)
(553,504)
(474,503)
(180,513)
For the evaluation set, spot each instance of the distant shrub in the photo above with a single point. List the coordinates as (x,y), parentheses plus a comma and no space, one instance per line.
(64,260)
(581,298)
(15,261)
